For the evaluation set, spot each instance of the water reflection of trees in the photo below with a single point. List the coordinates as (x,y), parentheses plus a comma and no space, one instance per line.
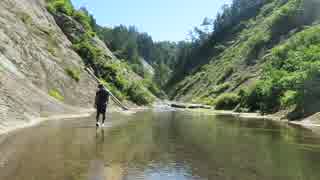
(249,149)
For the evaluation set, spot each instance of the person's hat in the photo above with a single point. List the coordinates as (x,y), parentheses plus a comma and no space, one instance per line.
(100,86)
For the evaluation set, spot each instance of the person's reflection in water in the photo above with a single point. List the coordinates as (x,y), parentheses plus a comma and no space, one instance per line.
(97,168)
(99,141)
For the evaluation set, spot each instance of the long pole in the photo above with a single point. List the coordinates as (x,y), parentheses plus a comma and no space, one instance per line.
(114,98)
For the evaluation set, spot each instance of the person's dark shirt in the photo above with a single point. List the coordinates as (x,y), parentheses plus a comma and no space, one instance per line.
(102,97)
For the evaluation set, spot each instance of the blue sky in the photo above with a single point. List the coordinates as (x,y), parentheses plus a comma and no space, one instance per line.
(162,19)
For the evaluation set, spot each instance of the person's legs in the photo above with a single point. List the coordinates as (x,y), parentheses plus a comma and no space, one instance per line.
(97,116)
(103,117)
(104,114)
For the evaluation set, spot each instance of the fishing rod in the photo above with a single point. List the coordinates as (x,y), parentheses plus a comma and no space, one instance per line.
(114,98)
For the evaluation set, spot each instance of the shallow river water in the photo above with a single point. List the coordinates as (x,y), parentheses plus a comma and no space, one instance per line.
(161,145)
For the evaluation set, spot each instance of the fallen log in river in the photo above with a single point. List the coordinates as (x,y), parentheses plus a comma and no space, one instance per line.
(189,106)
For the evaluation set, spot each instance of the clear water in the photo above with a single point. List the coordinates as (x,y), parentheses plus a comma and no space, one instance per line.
(159,146)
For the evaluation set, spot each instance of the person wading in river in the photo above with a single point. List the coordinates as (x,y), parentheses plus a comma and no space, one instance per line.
(101,103)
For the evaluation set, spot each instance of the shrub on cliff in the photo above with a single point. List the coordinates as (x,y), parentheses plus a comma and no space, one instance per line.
(227,101)
(63,6)
(56,94)
(139,95)
(73,73)
(291,75)
(83,17)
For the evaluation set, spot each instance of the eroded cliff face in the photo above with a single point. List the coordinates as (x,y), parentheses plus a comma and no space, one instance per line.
(35,57)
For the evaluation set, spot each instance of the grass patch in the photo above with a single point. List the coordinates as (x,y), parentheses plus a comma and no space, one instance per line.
(215,91)
(221,88)
(73,73)
(56,94)
(227,73)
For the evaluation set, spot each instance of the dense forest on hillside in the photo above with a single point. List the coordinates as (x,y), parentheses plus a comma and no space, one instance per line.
(128,43)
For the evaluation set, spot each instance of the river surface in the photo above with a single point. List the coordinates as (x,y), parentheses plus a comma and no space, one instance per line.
(161,145)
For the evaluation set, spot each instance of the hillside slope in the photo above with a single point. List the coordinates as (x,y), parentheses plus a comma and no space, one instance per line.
(246,56)
(35,58)
(43,55)
(80,28)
